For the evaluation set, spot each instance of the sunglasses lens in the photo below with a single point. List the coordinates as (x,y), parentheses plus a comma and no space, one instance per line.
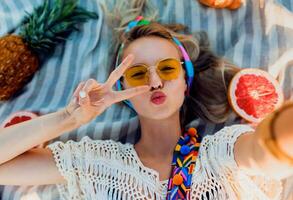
(137,75)
(169,69)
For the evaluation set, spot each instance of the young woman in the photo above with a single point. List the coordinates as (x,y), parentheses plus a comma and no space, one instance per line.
(169,79)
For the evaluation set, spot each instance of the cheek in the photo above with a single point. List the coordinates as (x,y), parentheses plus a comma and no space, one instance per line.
(141,104)
(177,92)
(180,84)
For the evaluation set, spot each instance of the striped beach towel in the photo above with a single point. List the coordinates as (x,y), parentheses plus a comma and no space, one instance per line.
(242,36)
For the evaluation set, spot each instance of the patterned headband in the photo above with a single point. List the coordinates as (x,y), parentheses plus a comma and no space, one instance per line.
(139,21)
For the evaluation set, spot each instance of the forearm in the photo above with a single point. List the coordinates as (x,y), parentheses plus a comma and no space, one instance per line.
(19,138)
(252,154)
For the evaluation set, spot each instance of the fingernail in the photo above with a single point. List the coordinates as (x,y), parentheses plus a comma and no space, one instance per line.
(82,94)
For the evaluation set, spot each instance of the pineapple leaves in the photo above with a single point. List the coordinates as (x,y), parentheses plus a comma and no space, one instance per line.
(51,23)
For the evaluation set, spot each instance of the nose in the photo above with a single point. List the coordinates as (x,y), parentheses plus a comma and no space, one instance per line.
(154,80)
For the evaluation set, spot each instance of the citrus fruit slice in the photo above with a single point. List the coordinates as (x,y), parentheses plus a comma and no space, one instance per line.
(18,117)
(22,116)
(254,93)
(236,4)
(230,4)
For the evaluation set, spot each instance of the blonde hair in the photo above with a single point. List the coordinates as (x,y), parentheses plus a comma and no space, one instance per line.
(208,94)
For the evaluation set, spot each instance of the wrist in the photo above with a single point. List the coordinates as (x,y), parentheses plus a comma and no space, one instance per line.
(70,120)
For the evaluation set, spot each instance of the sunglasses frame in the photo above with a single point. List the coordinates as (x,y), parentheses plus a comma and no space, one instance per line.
(156,65)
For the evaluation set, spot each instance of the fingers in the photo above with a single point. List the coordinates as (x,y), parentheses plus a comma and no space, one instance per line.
(84,92)
(98,103)
(118,72)
(129,93)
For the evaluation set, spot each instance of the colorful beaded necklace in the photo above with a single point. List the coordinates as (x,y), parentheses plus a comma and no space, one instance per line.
(183,164)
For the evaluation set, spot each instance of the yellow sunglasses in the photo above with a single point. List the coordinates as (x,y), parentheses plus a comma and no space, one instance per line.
(167,69)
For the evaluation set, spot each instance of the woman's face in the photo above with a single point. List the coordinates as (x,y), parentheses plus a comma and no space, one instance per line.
(165,97)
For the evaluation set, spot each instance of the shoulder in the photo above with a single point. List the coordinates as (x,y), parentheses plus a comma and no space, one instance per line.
(237,128)
(86,141)
(87,146)
(219,147)
(74,155)
(231,132)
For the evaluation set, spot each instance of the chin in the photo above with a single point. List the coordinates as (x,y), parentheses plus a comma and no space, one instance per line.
(158,113)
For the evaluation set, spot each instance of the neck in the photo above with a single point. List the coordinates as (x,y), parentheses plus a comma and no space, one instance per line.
(158,137)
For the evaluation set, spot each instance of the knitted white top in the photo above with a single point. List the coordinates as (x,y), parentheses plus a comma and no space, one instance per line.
(108,170)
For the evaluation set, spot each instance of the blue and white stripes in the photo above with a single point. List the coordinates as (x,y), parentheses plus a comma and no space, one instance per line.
(238,36)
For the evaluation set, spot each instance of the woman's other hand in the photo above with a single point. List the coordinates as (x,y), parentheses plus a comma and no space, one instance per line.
(277,127)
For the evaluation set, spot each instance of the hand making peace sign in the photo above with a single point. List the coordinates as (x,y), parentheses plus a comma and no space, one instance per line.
(91,98)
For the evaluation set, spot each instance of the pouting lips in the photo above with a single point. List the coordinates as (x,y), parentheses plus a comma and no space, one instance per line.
(158,97)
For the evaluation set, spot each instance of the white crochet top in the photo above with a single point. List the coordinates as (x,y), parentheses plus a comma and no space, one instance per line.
(109,170)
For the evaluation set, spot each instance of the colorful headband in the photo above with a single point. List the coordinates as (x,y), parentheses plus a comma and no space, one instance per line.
(139,21)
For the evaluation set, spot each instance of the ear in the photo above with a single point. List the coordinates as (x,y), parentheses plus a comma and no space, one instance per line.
(186,88)
(185,78)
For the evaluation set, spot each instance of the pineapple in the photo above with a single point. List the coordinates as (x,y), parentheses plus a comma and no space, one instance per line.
(40,32)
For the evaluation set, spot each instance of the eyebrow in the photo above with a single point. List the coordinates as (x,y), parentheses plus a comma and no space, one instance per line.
(159,60)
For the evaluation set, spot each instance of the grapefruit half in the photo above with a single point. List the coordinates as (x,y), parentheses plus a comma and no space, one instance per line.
(254,93)
(18,117)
